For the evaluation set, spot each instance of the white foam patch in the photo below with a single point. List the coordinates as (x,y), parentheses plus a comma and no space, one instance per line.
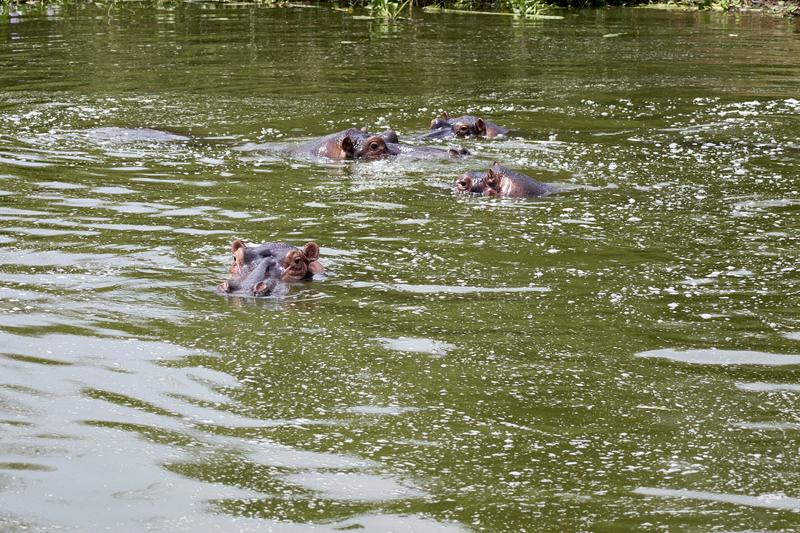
(723,357)
(768,501)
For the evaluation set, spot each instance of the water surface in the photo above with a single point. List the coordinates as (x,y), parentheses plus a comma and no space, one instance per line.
(620,356)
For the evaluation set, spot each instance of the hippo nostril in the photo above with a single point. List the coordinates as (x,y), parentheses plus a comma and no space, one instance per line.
(264,288)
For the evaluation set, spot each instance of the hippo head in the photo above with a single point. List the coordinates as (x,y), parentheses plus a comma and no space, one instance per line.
(257,270)
(468,125)
(460,127)
(373,147)
(482,183)
(360,144)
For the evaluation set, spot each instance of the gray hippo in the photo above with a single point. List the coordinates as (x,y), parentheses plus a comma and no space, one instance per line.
(464,126)
(257,270)
(352,143)
(356,143)
(501,181)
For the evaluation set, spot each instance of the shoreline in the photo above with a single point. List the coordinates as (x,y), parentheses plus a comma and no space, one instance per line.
(530,9)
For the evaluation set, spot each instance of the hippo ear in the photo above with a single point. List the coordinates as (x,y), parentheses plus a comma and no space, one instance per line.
(347,146)
(492,178)
(480,125)
(311,251)
(238,249)
(235,245)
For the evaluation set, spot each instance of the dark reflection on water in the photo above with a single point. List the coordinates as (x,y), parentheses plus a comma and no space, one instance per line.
(621,355)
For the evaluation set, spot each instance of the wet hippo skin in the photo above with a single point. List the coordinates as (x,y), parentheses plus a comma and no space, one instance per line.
(501,181)
(352,143)
(257,270)
(464,126)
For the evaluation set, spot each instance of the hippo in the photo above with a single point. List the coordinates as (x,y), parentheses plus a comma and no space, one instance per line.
(257,270)
(464,126)
(113,134)
(352,143)
(501,181)
(356,143)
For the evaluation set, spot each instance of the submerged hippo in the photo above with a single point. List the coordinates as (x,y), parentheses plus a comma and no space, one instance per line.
(501,181)
(256,270)
(113,134)
(352,143)
(446,126)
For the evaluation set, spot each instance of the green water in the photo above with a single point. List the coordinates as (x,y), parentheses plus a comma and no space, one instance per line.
(621,356)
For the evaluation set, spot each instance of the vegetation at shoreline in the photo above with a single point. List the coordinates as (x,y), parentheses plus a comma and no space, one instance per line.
(395,9)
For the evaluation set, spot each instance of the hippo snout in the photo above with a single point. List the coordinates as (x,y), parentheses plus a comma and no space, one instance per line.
(469,183)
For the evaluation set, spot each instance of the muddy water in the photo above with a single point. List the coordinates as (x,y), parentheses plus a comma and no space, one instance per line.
(623,355)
